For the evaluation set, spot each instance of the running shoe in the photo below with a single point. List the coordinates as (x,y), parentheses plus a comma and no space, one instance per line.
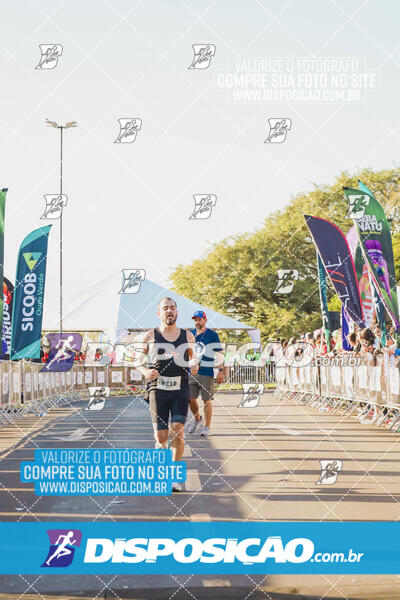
(195,425)
(176,487)
(206,431)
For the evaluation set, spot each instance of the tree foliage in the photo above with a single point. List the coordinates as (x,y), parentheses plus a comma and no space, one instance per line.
(238,276)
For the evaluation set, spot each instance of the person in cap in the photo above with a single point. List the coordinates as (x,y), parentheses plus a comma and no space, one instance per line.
(210,352)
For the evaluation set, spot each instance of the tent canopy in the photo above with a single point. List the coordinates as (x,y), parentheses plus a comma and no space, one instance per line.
(99,307)
(138,312)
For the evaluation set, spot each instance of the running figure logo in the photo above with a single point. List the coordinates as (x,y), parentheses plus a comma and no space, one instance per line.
(54,205)
(329,471)
(203,205)
(63,543)
(97,397)
(357,204)
(131,280)
(278,129)
(286,279)
(63,348)
(203,53)
(251,395)
(128,129)
(50,53)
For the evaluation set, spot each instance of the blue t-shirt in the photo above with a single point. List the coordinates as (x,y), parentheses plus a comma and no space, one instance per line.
(207,343)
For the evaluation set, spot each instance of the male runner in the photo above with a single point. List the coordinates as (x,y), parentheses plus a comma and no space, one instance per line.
(171,353)
(208,348)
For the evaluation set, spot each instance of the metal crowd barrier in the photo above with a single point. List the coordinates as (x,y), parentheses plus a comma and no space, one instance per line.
(250,373)
(367,389)
(26,390)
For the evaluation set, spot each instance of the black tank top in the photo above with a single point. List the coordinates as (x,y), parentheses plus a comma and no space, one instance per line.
(164,361)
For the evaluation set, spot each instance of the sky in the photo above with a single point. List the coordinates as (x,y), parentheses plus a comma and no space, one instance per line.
(129,203)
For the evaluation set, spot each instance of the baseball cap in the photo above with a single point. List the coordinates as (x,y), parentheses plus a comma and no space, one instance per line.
(199,313)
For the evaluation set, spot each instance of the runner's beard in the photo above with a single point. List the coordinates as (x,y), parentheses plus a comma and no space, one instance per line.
(170,319)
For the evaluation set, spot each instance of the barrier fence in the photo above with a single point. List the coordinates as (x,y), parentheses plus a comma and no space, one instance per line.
(366,388)
(25,389)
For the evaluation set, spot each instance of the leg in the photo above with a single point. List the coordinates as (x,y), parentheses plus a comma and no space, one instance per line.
(208,413)
(162,436)
(179,411)
(159,415)
(194,394)
(178,440)
(207,394)
(194,407)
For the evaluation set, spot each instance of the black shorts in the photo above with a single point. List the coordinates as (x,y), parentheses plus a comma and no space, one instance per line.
(166,404)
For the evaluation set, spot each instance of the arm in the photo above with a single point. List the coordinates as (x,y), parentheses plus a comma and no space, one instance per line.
(141,350)
(194,359)
(219,363)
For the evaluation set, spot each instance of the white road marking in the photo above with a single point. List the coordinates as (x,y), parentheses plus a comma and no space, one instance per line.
(74,436)
(193,483)
(282,428)
(216,583)
(200,517)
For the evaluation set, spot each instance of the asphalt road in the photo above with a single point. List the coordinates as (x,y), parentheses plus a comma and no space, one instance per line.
(260,463)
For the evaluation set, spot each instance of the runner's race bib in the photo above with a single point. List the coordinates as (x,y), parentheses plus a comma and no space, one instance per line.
(168,383)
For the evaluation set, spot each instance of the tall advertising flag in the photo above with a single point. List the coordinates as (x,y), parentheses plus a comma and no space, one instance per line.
(323,297)
(338,262)
(8,294)
(3,194)
(28,295)
(364,284)
(376,245)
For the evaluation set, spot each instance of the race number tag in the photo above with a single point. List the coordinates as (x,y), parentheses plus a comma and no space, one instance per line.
(168,383)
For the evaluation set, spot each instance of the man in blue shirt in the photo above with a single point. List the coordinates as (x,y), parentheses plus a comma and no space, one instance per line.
(209,350)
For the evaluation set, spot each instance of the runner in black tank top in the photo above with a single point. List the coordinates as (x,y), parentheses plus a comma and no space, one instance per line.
(169,393)
(167,376)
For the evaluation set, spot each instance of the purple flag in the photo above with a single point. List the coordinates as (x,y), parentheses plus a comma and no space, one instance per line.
(335,253)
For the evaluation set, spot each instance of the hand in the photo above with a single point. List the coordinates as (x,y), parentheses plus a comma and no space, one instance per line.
(151,374)
(220,377)
(194,370)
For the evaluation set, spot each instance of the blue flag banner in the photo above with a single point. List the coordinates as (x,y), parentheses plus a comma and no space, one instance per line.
(28,295)
(335,253)
(199,547)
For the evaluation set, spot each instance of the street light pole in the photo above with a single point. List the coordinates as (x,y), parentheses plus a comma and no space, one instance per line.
(61,228)
(61,128)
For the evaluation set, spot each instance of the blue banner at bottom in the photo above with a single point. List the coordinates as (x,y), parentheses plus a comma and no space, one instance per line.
(190,547)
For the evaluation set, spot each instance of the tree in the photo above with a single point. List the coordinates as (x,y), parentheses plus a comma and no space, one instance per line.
(238,276)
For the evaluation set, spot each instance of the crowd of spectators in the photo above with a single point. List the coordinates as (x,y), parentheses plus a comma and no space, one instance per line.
(370,341)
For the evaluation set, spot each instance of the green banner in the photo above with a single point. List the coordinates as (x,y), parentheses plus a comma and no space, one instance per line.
(28,295)
(376,245)
(3,194)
